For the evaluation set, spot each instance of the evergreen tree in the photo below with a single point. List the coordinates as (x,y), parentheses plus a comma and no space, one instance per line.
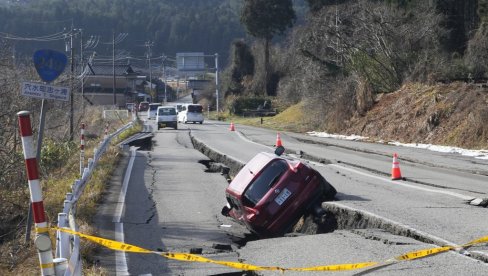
(264,19)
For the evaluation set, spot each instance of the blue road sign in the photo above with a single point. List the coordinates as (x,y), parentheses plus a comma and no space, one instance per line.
(49,64)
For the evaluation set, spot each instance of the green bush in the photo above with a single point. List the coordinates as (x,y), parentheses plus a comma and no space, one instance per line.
(55,153)
(239,105)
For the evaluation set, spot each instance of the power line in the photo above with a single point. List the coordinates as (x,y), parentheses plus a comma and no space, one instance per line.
(51,37)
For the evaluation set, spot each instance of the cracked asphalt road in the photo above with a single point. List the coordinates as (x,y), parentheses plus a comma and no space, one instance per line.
(173,205)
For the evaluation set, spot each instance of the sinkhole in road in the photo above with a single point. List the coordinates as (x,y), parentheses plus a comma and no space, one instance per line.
(334,216)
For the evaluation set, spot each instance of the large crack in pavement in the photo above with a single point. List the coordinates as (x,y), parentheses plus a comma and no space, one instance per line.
(150,189)
(337,216)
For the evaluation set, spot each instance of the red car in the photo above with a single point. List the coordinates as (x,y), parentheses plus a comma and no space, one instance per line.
(143,106)
(270,193)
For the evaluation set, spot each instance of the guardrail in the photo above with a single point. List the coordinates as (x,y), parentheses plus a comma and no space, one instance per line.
(68,257)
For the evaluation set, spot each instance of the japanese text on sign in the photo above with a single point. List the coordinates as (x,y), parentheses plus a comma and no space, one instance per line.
(44,91)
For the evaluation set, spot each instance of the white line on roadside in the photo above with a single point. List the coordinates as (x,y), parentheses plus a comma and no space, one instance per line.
(251,141)
(431,190)
(120,257)
(457,195)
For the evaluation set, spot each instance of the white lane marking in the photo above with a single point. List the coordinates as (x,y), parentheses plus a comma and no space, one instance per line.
(251,141)
(431,190)
(398,183)
(120,257)
(246,139)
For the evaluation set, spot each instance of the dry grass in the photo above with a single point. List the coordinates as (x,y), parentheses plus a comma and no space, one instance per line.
(291,119)
(443,114)
(20,258)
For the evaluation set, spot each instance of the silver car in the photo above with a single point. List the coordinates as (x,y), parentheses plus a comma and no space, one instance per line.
(166,117)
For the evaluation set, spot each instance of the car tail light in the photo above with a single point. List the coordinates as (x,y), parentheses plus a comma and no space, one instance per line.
(296,166)
(252,213)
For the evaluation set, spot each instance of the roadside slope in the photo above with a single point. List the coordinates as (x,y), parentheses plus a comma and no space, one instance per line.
(444,114)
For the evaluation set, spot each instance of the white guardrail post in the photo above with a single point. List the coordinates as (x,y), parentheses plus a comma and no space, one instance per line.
(67,245)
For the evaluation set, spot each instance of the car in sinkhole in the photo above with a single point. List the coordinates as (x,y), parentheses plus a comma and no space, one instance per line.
(271,192)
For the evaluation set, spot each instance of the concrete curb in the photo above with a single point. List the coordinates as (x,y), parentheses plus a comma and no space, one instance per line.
(346,217)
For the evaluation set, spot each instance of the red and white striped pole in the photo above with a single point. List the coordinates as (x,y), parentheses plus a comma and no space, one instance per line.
(106,131)
(82,149)
(42,240)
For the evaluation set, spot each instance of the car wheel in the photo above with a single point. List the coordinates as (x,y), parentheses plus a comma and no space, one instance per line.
(201,122)
(176,126)
(185,121)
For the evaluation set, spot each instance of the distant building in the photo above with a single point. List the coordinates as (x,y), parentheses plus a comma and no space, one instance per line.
(98,84)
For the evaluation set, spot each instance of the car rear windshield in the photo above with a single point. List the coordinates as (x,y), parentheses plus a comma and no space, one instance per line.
(167,111)
(195,108)
(153,107)
(265,180)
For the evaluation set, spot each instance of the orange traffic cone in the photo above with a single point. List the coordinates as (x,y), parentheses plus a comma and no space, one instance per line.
(278,140)
(232,127)
(395,169)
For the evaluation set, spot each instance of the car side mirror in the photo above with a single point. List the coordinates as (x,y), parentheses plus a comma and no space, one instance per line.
(279,150)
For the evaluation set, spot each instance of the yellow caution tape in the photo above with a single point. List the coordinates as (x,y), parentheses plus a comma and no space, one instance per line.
(477,241)
(111,244)
(423,253)
(115,245)
(40,230)
(49,265)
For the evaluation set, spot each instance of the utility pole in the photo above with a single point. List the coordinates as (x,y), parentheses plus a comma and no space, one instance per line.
(217,95)
(113,68)
(165,80)
(81,73)
(71,101)
(149,44)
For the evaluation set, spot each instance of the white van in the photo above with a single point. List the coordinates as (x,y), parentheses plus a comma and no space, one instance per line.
(191,113)
(166,117)
(153,109)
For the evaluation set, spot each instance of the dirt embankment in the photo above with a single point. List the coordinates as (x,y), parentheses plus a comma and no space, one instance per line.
(445,114)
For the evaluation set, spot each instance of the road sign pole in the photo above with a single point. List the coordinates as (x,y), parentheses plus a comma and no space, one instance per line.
(49,65)
(217,82)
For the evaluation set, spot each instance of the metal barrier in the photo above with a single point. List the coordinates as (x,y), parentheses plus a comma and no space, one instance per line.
(67,245)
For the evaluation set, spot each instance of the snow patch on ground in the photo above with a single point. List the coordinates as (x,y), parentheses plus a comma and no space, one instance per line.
(337,136)
(479,154)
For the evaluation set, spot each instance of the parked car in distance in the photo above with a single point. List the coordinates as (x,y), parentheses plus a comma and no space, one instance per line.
(270,193)
(143,106)
(151,111)
(130,106)
(167,117)
(191,113)
(179,107)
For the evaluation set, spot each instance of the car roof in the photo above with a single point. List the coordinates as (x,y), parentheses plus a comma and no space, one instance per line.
(167,106)
(249,171)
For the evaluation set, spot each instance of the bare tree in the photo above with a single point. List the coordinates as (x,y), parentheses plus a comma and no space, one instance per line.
(350,51)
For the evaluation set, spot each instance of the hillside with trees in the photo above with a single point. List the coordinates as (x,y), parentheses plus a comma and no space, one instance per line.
(406,70)
(174,26)
(350,54)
